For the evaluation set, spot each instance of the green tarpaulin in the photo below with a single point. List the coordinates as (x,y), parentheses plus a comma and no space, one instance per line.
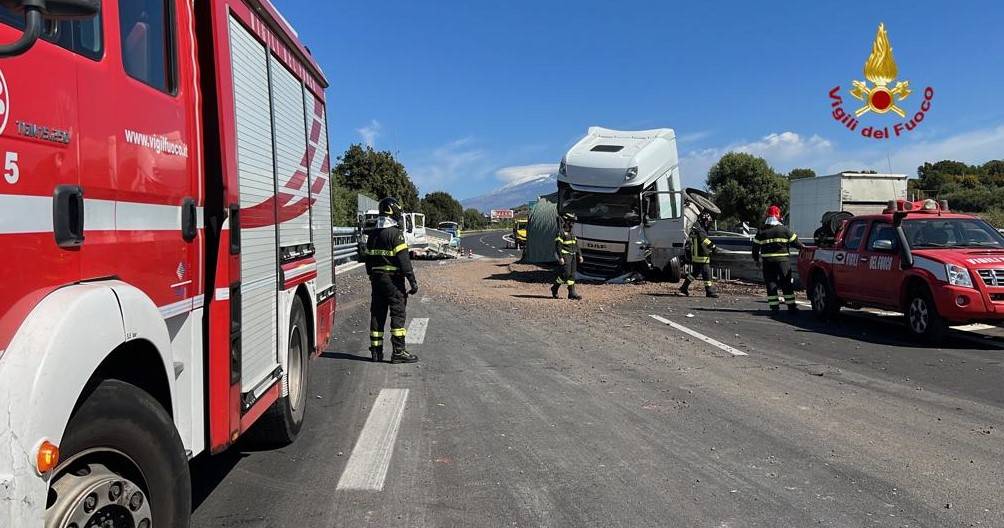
(541,231)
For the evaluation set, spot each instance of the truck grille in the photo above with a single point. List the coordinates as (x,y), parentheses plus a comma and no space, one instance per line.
(603,264)
(992,277)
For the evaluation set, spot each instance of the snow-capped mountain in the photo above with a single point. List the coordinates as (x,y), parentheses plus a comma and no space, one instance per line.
(514,194)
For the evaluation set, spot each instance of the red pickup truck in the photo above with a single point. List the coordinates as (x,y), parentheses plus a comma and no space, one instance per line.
(936,267)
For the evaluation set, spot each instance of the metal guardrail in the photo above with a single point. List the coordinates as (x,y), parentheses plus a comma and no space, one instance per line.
(346,243)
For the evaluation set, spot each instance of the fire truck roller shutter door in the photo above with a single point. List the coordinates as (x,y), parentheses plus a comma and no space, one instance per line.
(320,188)
(292,156)
(256,181)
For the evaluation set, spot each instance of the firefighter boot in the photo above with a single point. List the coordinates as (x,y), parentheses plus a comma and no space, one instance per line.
(554,290)
(403,356)
(685,289)
(376,355)
(572,295)
(710,291)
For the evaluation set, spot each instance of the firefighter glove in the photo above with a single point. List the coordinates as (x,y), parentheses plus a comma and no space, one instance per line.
(414,285)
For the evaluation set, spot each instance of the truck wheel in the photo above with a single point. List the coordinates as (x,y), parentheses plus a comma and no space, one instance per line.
(281,423)
(672,270)
(124,465)
(922,318)
(824,300)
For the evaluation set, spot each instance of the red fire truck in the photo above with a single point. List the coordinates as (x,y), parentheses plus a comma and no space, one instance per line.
(936,267)
(165,225)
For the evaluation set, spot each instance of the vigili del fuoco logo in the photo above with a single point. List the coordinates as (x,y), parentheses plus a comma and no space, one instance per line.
(881,96)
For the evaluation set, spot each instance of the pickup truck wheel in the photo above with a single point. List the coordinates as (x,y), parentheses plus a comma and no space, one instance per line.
(281,423)
(922,318)
(123,465)
(824,301)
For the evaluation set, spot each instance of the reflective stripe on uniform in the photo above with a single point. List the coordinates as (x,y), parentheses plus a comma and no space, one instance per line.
(707,242)
(789,299)
(559,280)
(700,260)
(380,253)
(774,240)
(376,334)
(399,248)
(568,242)
(570,282)
(794,237)
(398,332)
(385,268)
(774,255)
(376,342)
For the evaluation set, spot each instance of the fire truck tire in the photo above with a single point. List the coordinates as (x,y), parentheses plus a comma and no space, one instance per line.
(123,464)
(673,271)
(825,304)
(281,423)
(922,318)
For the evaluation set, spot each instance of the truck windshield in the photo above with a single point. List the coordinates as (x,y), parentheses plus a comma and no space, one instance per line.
(951,233)
(613,209)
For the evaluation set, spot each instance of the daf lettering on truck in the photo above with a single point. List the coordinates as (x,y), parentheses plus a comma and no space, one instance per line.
(171,222)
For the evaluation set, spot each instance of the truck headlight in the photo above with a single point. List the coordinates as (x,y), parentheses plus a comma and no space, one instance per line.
(958,276)
(631,173)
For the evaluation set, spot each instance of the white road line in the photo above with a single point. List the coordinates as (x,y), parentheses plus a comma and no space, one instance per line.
(342,269)
(416,331)
(702,337)
(499,250)
(370,460)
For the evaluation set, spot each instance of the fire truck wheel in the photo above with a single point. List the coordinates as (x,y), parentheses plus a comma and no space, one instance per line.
(824,301)
(281,423)
(123,464)
(922,318)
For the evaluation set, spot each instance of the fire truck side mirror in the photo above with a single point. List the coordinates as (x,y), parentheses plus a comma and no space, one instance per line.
(36,11)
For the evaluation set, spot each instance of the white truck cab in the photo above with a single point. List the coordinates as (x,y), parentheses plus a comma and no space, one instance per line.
(624,187)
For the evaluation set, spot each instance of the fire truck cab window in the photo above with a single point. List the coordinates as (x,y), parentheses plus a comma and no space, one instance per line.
(148,54)
(79,36)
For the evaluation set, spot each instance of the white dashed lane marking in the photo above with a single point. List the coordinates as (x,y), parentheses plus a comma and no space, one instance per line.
(416,331)
(370,460)
(702,337)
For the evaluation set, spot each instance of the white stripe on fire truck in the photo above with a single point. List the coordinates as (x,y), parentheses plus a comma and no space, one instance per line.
(183,306)
(33,214)
(297,271)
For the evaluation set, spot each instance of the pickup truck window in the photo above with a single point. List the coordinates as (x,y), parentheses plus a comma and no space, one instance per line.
(951,233)
(882,231)
(855,232)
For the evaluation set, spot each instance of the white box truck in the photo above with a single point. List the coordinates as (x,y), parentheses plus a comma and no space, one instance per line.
(624,187)
(855,192)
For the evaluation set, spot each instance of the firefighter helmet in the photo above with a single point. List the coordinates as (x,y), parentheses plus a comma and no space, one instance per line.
(389,206)
(774,212)
(569,217)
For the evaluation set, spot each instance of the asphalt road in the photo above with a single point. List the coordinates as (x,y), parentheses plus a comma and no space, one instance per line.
(622,419)
(489,245)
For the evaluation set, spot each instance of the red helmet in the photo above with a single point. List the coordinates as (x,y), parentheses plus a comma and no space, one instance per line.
(774,211)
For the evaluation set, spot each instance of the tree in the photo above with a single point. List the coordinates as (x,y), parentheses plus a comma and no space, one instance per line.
(376,174)
(441,207)
(798,174)
(744,186)
(473,219)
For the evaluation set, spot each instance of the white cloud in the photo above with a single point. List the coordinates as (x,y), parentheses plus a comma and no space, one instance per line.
(694,137)
(783,150)
(522,173)
(448,165)
(370,132)
(788,150)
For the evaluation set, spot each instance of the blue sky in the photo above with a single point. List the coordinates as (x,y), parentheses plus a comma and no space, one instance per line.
(472,95)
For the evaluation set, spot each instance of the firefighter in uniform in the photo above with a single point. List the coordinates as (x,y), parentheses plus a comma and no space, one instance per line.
(566,247)
(771,246)
(388,266)
(700,248)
